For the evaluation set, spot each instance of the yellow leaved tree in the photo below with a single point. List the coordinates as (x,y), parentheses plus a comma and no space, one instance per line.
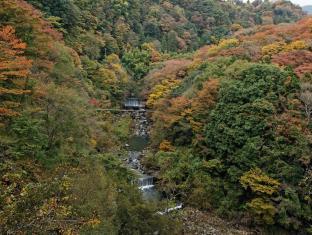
(263,187)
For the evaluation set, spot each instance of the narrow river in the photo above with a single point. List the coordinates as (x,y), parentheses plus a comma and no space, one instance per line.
(137,145)
(137,148)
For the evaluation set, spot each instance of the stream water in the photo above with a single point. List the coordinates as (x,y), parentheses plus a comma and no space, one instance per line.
(136,149)
(137,145)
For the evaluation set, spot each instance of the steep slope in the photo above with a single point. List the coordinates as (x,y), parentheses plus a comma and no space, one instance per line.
(231,121)
(59,168)
(114,26)
(232,127)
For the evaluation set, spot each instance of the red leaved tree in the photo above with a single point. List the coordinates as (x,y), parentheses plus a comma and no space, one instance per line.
(14,71)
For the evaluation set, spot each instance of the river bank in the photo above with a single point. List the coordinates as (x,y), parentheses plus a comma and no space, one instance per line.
(136,146)
(196,222)
(191,220)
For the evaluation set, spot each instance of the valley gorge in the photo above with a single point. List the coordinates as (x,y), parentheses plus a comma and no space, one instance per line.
(155,117)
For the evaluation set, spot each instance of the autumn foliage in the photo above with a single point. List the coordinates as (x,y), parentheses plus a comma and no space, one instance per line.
(285,45)
(235,133)
(229,124)
(14,71)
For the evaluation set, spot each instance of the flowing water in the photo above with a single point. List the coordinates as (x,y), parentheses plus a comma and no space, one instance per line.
(136,149)
(137,145)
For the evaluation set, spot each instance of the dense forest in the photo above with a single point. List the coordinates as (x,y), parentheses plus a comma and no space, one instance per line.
(229,89)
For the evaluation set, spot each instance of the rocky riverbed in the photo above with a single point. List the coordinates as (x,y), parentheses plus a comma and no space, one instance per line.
(192,221)
(195,222)
(136,151)
(138,141)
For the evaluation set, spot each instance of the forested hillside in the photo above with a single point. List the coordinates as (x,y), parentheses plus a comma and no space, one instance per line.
(228,85)
(232,125)
(60,173)
(94,27)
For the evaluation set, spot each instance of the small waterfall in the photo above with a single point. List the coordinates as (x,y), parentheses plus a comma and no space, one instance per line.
(146,183)
(136,149)
(134,103)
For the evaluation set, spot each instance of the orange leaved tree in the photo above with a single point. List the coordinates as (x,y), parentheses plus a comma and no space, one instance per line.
(14,71)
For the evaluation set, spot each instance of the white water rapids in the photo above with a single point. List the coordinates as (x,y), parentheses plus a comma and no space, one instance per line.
(136,150)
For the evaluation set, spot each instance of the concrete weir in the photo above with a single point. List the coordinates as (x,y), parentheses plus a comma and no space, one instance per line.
(136,149)
(134,103)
